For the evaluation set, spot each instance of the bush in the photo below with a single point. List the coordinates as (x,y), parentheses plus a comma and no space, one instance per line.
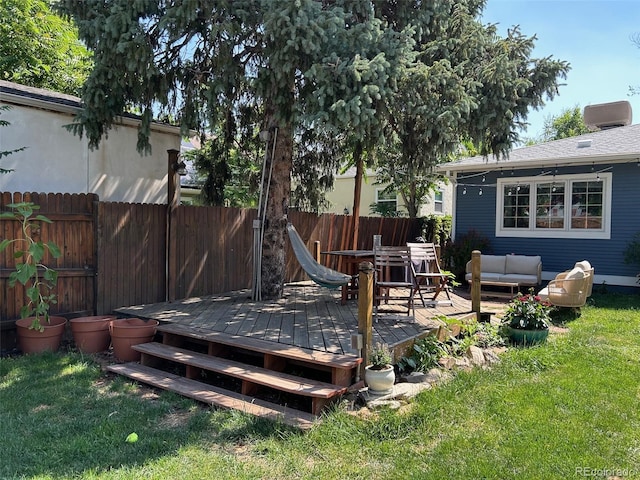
(436,229)
(457,253)
(424,355)
(632,252)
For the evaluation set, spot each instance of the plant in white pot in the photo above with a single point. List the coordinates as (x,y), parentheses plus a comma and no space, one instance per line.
(37,330)
(379,374)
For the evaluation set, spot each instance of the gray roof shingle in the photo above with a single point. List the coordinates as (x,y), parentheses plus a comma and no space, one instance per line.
(614,144)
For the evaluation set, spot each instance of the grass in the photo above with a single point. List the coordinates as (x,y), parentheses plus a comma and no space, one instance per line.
(565,409)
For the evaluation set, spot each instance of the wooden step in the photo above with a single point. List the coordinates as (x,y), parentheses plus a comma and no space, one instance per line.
(251,376)
(214,395)
(341,366)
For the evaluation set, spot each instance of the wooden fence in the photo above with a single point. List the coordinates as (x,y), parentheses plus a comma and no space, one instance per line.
(73,230)
(120,254)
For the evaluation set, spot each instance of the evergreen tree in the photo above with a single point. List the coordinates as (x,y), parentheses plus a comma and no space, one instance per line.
(317,69)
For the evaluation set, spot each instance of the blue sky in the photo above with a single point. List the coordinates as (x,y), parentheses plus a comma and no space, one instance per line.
(593,36)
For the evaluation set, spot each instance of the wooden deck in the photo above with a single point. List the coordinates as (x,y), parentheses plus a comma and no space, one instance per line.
(307,316)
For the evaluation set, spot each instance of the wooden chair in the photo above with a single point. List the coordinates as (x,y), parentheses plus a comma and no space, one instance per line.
(392,282)
(428,279)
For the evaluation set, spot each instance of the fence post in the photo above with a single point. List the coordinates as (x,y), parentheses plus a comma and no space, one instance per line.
(172,203)
(365,310)
(475,282)
(316,251)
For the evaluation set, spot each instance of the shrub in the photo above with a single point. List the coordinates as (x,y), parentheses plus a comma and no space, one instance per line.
(425,354)
(457,253)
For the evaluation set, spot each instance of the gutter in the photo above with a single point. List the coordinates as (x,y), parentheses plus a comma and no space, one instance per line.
(58,107)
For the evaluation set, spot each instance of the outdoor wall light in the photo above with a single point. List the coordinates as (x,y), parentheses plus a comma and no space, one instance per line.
(346,211)
(180,168)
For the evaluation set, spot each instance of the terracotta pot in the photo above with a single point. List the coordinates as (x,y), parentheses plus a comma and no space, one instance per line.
(126,332)
(91,334)
(34,341)
(380,382)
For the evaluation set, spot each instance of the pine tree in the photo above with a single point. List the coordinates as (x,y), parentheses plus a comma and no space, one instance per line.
(337,69)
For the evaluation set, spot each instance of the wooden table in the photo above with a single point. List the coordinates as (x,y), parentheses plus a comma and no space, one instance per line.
(348,261)
(510,285)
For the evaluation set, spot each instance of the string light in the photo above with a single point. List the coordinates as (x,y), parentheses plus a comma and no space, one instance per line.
(518,187)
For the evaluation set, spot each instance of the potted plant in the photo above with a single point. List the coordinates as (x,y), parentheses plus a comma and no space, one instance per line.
(379,375)
(526,320)
(37,330)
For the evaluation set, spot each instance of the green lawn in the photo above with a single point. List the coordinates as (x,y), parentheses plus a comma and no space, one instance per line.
(567,409)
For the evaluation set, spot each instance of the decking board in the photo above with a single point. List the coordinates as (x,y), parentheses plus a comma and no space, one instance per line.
(214,395)
(305,314)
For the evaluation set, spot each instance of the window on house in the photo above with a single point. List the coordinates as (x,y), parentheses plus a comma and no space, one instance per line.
(387,201)
(562,207)
(438,205)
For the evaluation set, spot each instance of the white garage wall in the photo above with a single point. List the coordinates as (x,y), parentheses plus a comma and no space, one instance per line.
(56,161)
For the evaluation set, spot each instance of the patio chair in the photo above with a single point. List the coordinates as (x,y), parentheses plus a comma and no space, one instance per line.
(569,289)
(392,282)
(428,278)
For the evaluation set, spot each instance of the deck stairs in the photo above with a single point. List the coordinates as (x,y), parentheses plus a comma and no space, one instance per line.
(267,379)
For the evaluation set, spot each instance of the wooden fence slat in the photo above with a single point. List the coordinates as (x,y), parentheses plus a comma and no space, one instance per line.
(114,254)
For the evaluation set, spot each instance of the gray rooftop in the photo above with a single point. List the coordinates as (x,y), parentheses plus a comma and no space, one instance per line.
(621,144)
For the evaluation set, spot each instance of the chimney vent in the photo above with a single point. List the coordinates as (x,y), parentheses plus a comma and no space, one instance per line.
(608,115)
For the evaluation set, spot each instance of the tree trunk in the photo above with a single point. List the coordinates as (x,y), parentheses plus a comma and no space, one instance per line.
(278,162)
(359,162)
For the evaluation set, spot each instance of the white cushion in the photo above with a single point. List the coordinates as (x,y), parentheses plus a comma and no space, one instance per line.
(574,285)
(544,294)
(583,265)
(523,264)
(492,263)
(575,272)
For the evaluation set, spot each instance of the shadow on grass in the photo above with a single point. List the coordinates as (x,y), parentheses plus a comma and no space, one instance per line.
(62,416)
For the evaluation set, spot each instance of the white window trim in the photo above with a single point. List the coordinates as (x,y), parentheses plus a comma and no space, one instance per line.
(438,202)
(386,200)
(531,232)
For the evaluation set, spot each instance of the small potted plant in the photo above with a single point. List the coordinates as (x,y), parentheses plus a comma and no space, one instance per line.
(37,330)
(379,375)
(526,320)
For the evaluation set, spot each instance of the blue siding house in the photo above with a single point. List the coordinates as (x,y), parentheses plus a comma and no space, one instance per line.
(567,200)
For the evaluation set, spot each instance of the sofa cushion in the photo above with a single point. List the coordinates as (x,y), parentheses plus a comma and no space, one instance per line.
(492,263)
(519,278)
(485,277)
(523,264)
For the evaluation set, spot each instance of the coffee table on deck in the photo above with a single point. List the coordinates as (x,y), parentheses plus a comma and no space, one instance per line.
(509,285)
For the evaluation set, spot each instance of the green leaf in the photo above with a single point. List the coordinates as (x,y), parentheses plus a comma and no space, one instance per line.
(43,219)
(37,251)
(53,248)
(4,244)
(24,271)
(33,294)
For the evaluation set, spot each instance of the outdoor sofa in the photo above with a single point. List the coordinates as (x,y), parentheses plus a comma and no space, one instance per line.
(512,271)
